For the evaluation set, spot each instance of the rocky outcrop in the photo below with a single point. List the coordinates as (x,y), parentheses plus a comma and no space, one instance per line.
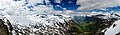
(118,33)
(5,27)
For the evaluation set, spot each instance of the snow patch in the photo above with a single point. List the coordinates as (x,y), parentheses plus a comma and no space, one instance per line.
(114,29)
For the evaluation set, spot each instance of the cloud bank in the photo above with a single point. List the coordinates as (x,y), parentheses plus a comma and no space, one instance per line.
(97,4)
(51,5)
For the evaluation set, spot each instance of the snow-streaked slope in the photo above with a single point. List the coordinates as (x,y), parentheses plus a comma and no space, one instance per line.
(114,29)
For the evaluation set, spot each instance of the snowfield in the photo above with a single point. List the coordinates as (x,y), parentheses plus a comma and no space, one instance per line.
(37,23)
(114,29)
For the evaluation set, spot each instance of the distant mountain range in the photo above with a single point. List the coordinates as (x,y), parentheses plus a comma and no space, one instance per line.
(62,24)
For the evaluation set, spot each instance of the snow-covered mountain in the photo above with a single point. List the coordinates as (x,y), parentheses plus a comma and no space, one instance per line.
(59,17)
(36,24)
(33,24)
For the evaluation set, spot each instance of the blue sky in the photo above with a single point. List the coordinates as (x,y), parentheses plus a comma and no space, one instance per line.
(68,4)
(73,6)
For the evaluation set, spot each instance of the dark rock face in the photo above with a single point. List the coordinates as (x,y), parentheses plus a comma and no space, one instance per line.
(4,28)
(118,33)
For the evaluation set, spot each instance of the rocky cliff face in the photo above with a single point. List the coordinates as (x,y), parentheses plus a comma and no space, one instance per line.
(5,27)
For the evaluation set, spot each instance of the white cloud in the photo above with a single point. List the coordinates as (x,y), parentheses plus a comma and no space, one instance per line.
(96,4)
(13,7)
(58,1)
